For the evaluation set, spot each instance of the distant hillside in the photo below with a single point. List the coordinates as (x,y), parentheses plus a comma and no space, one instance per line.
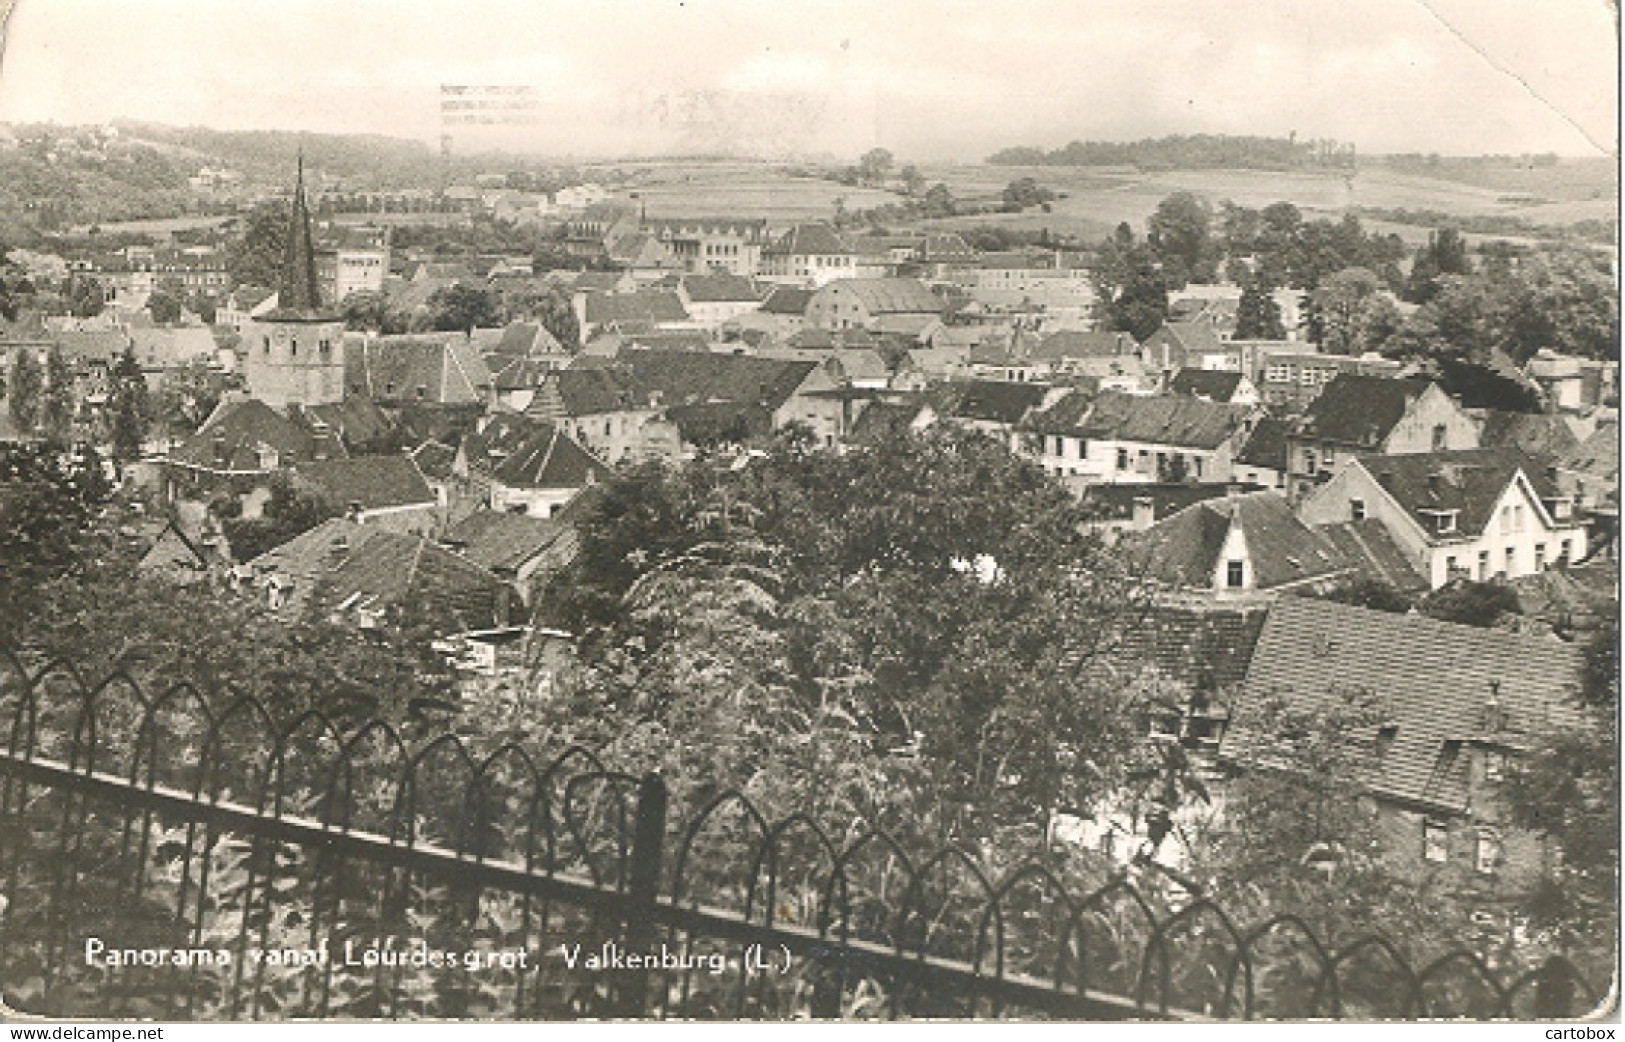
(381,162)
(1187,152)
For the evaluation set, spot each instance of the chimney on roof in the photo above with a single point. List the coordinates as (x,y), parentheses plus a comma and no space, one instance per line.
(1144,514)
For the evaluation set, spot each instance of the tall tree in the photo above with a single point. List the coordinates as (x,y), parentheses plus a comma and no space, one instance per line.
(1181,235)
(462,308)
(15,288)
(875,165)
(1258,316)
(1445,253)
(86,297)
(255,257)
(25,391)
(60,400)
(1350,315)
(164,307)
(129,405)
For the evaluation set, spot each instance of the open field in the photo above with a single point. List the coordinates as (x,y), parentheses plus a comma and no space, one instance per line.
(1098,198)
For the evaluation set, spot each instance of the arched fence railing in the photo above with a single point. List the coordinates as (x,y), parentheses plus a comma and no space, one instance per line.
(188,855)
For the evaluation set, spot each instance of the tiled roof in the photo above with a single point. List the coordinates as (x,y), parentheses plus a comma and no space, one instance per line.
(373,482)
(889,296)
(787,300)
(305,559)
(434,460)
(392,570)
(1538,435)
(1369,548)
(90,345)
(880,421)
(549,458)
(527,338)
(1266,445)
(1184,549)
(1193,337)
(1467,481)
(499,541)
(1077,344)
(231,437)
(720,288)
(1215,385)
(1066,416)
(682,378)
(357,420)
(642,306)
(1597,455)
(808,240)
(1207,648)
(1162,420)
(1358,410)
(1116,502)
(1438,683)
(393,368)
(992,401)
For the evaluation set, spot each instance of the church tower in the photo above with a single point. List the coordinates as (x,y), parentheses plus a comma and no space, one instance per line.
(294,354)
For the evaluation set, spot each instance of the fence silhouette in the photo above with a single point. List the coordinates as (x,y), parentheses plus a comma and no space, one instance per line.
(188,856)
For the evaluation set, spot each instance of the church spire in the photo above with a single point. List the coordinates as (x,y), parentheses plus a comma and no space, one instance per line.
(299,295)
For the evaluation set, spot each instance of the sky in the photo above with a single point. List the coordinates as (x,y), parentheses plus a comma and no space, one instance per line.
(931,80)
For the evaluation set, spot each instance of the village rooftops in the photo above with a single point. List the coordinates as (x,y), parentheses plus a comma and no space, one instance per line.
(1162,420)
(1438,686)
(1358,410)
(652,306)
(720,287)
(1187,548)
(549,459)
(1214,385)
(989,401)
(441,368)
(368,482)
(890,296)
(1466,484)
(808,240)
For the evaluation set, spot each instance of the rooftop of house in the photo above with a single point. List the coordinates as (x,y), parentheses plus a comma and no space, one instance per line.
(1266,446)
(1467,483)
(815,239)
(1598,455)
(888,296)
(548,458)
(880,421)
(787,300)
(1358,410)
(1214,385)
(1368,547)
(232,437)
(1185,549)
(721,288)
(1191,337)
(527,338)
(1206,648)
(1439,685)
(1117,503)
(1072,343)
(1538,435)
(368,482)
(303,560)
(648,305)
(988,401)
(443,368)
(434,460)
(1162,420)
(392,572)
(502,542)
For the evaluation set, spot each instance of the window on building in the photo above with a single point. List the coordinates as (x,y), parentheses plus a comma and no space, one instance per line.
(1565,548)
(1122,459)
(1440,436)
(1540,557)
(1435,842)
(1511,561)
(1235,574)
(1308,461)
(1357,509)
(1483,565)
(293,347)
(1495,765)
(1487,857)
(267,345)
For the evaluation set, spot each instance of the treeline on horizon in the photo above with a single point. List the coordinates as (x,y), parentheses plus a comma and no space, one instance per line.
(1187,152)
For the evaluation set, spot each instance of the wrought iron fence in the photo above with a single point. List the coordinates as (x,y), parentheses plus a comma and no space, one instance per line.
(184,856)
